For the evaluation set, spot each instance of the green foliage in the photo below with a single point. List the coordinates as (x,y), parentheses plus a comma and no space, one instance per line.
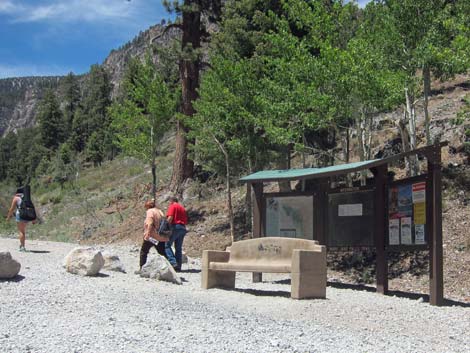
(91,115)
(463,115)
(71,100)
(51,123)
(143,115)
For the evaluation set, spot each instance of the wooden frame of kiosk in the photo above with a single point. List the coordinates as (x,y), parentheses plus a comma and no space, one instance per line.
(385,215)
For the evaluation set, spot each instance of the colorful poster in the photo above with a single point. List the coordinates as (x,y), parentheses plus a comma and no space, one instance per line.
(406,231)
(419,234)
(393,202)
(419,213)
(405,202)
(394,232)
(419,192)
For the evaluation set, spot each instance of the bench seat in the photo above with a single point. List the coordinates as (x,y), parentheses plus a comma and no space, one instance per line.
(304,259)
(254,266)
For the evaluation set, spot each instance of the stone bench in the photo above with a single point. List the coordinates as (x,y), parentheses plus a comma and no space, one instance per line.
(304,259)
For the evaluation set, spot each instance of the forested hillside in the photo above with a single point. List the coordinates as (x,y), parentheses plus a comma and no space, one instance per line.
(241,86)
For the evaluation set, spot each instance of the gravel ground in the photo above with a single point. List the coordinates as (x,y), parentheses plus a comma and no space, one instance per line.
(48,310)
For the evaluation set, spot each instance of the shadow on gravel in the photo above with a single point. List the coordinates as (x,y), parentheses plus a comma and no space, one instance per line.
(18,278)
(39,251)
(396,293)
(360,287)
(190,271)
(425,297)
(263,293)
(102,275)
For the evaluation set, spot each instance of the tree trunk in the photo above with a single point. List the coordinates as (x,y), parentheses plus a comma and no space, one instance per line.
(427,92)
(284,163)
(189,76)
(347,154)
(411,117)
(154,181)
(365,138)
(229,189)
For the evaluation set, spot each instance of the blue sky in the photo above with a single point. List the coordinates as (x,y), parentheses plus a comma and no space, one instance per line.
(54,37)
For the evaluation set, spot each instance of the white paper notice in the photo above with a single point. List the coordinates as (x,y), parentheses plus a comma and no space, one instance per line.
(394,232)
(419,192)
(350,210)
(406,231)
(419,234)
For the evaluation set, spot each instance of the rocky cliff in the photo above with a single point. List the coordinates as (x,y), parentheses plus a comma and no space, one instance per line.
(19,96)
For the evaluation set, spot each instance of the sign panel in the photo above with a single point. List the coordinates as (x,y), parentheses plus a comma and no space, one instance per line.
(394,231)
(351,219)
(350,210)
(407,213)
(289,216)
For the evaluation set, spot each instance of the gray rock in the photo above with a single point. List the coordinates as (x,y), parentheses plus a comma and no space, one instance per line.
(112,262)
(84,261)
(159,268)
(9,267)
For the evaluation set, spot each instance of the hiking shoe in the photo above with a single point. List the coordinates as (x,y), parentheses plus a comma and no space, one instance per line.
(138,272)
(22,248)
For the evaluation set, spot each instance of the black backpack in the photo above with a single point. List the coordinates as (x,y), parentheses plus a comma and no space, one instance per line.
(26,208)
(165,228)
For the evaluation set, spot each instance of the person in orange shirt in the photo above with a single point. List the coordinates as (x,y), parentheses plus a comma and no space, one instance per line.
(178,219)
(151,236)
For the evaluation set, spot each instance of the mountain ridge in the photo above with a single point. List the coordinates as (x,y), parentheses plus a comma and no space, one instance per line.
(19,96)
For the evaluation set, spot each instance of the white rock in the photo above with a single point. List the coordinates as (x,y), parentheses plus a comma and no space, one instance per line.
(84,261)
(159,268)
(112,262)
(9,267)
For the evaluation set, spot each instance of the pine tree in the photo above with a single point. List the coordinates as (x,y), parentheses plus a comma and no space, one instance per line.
(51,122)
(70,90)
(193,32)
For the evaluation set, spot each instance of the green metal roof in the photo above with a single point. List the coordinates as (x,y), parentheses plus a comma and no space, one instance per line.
(311,173)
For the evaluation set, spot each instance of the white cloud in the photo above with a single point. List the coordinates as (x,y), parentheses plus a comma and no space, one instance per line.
(7,6)
(70,10)
(7,70)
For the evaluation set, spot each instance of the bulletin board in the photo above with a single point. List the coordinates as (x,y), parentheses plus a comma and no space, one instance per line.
(351,217)
(289,216)
(407,223)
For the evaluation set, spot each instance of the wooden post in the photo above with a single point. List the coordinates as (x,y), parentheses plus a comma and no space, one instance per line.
(320,208)
(380,230)
(258,220)
(436,281)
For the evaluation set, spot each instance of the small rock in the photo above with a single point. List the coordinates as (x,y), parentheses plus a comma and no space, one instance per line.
(9,267)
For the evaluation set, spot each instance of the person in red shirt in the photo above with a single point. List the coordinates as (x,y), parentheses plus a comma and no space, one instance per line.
(178,219)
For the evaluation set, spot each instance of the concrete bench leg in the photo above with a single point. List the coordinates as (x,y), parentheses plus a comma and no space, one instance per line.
(308,274)
(211,278)
(257,277)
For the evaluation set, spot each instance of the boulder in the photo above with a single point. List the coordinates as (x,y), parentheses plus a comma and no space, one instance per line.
(112,262)
(84,261)
(159,268)
(9,267)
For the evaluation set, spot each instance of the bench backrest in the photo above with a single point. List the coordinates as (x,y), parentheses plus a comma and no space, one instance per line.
(276,249)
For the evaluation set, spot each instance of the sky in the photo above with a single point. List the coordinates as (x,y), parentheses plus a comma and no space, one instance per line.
(55,37)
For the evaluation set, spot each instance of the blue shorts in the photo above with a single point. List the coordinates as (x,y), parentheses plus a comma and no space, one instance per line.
(18,219)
